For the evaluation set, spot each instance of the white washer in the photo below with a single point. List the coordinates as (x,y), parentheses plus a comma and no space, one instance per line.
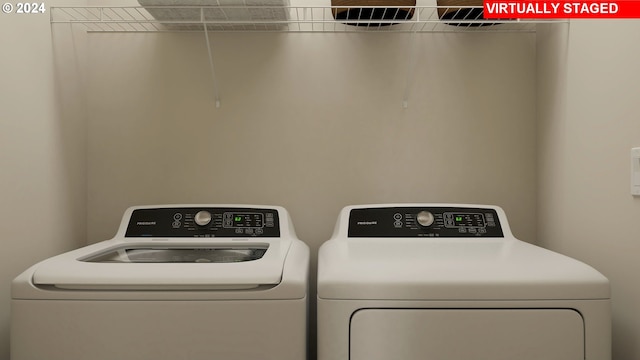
(177,282)
(450,282)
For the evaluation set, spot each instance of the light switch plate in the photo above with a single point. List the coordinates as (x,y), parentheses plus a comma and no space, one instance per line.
(635,171)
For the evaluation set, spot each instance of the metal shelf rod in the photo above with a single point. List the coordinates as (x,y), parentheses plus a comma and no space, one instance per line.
(216,92)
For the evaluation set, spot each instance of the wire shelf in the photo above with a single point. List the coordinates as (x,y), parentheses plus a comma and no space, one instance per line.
(301,19)
(282,19)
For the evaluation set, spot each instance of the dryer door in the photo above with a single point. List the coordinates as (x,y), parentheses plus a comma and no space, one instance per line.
(462,334)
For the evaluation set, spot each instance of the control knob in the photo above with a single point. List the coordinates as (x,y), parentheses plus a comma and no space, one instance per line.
(425,218)
(203,218)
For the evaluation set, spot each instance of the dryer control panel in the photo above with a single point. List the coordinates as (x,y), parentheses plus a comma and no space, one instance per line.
(462,222)
(203,222)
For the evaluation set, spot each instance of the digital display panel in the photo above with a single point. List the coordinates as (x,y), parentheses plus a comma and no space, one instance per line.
(475,220)
(243,220)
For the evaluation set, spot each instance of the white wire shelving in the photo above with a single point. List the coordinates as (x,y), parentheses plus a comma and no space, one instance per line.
(291,19)
(280,19)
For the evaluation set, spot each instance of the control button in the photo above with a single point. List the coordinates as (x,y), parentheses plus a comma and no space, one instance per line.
(239,231)
(248,231)
(491,223)
(397,224)
(472,230)
(448,216)
(177,216)
(482,231)
(259,231)
(425,218)
(397,216)
(203,218)
(449,223)
(462,230)
(176,224)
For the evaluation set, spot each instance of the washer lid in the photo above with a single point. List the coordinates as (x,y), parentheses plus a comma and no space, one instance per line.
(207,265)
(452,269)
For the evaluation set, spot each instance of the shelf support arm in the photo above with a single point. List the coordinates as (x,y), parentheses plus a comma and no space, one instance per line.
(216,92)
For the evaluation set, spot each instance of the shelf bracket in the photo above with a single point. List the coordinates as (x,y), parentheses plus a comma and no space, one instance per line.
(411,64)
(216,92)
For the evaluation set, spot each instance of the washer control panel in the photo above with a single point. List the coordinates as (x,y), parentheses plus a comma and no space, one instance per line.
(424,222)
(203,222)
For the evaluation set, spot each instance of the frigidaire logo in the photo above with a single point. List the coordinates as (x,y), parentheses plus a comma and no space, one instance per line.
(146,223)
(367,223)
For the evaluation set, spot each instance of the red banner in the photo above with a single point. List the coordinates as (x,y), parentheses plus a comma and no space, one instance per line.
(502,9)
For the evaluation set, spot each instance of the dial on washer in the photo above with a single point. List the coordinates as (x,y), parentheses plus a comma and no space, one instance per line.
(203,218)
(425,218)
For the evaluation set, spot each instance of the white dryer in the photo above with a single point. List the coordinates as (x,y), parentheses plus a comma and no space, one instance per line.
(450,282)
(185,282)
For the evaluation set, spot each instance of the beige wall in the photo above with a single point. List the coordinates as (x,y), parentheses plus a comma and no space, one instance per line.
(587,125)
(42,154)
(312,122)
